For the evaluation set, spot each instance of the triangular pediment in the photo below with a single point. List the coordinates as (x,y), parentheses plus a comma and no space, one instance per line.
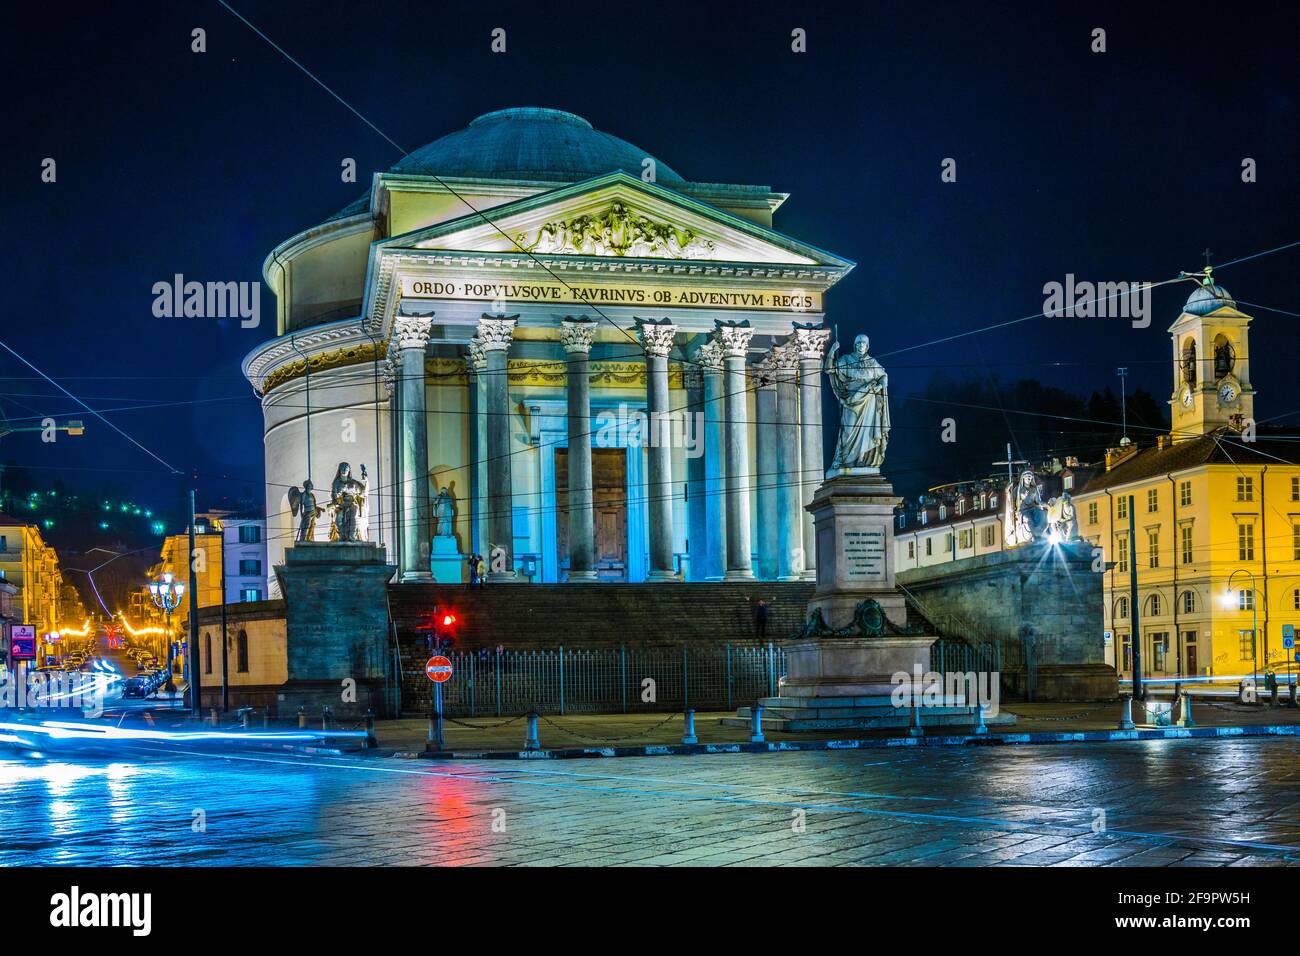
(616,216)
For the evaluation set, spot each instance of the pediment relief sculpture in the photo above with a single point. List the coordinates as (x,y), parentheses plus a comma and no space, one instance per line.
(616,232)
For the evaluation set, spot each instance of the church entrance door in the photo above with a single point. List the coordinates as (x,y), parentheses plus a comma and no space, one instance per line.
(609,493)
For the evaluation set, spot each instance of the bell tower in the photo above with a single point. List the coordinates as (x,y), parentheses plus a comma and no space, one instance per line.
(1211,362)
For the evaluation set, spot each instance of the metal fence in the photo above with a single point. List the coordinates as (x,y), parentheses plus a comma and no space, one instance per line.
(949,656)
(605,680)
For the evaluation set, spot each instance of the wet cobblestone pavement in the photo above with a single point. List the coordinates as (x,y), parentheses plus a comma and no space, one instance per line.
(1181,803)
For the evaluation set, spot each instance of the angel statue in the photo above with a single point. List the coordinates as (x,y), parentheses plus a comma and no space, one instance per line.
(348,501)
(302,505)
(862,387)
(1062,518)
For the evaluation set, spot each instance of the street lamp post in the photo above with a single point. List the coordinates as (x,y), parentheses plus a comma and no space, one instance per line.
(166,593)
(1254,623)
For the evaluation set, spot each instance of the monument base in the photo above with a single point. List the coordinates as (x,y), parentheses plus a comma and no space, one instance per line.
(446,562)
(852,666)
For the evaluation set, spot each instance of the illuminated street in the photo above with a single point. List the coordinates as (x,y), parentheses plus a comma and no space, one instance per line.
(1211,803)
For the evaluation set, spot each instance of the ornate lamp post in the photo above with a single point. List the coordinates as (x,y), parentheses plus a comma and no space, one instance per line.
(1254,622)
(166,593)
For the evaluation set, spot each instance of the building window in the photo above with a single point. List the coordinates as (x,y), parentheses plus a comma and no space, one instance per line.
(1295,489)
(961,506)
(1247,645)
(1184,493)
(989,535)
(1153,549)
(1092,512)
(1295,542)
(947,542)
(966,538)
(1186,533)
(241,652)
(250,594)
(1245,542)
(1245,488)
(1121,608)
(1160,649)
(943,512)
(929,546)
(207,653)
(1153,500)
(1295,600)
(1154,608)
(1189,602)
(993,501)
(1245,600)
(1067,482)
(1121,508)
(911,550)
(250,534)
(1127,653)
(902,521)
(250,567)
(1122,548)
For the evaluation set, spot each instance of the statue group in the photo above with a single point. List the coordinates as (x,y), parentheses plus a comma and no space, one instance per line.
(346,506)
(1027,518)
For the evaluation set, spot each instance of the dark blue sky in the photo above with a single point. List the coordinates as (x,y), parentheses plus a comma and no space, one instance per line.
(1122,165)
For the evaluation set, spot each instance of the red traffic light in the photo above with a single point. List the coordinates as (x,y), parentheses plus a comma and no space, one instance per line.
(448,620)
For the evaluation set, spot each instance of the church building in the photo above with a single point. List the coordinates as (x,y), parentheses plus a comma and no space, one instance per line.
(542,345)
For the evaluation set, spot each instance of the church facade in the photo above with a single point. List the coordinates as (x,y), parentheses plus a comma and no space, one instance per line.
(542,345)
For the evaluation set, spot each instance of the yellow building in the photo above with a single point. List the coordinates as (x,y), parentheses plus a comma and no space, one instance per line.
(1214,509)
(45,597)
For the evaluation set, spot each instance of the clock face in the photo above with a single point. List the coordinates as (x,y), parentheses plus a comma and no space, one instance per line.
(1188,397)
(1227,392)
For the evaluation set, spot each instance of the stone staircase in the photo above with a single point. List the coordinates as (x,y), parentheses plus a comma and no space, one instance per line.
(528,616)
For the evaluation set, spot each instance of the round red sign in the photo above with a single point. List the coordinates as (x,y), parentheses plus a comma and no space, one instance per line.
(438,669)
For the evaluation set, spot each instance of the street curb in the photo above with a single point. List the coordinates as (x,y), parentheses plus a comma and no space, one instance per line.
(946,740)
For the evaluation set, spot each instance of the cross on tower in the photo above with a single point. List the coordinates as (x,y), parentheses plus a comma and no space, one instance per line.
(1207,255)
(1010,463)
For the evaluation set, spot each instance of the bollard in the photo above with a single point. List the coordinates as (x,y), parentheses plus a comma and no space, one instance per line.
(325,717)
(302,718)
(1126,712)
(915,730)
(247,714)
(432,739)
(1185,710)
(688,728)
(370,742)
(213,719)
(1293,690)
(980,726)
(266,717)
(530,733)
(756,724)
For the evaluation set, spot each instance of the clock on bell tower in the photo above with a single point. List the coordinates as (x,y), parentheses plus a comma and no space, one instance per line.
(1211,362)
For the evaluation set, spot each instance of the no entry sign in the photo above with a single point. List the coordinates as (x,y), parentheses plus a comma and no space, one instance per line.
(438,669)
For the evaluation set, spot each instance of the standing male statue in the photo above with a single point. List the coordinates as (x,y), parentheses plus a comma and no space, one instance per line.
(443,513)
(862,387)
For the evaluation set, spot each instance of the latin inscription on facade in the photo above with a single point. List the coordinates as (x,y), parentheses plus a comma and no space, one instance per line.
(793,300)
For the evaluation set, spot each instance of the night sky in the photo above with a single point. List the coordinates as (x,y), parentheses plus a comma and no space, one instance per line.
(1113,166)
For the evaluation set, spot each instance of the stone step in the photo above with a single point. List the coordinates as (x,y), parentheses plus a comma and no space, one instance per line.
(865,722)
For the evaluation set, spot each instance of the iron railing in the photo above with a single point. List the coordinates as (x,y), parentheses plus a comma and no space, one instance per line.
(603,680)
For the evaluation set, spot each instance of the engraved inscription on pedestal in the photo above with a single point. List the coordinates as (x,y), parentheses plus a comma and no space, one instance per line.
(863,550)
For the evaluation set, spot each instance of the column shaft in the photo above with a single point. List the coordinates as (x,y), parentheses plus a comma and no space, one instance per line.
(766,477)
(582,535)
(495,333)
(715,462)
(790,547)
(811,345)
(735,343)
(657,340)
(412,334)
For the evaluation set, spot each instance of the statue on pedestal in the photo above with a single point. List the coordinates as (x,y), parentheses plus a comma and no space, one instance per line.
(860,384)
(348,502)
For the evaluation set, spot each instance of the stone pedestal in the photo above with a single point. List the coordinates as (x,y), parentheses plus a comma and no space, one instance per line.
(445,560)
(852,666)
(336,626)
(853,514)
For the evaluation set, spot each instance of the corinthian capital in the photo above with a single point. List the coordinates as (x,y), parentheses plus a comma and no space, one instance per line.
(411,331)
(709,356)
(656,337)
(785,360)
(765,371)
(810,340)
(477,357)
(496,331)
(733,337)
(576,334)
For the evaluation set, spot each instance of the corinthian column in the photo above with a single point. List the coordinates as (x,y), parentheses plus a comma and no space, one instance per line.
(657,341)
(410,334)
(576,334)
(789,526)
(734,340)
(709,357)
(495,333)
(810,344)
(765,440)
(477,367)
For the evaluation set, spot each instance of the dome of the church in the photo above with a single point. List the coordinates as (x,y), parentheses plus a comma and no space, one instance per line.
(1207,298)
(531,143)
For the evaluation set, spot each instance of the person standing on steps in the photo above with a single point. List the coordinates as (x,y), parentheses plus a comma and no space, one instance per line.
(473,570)
(761,611)
(481,568)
